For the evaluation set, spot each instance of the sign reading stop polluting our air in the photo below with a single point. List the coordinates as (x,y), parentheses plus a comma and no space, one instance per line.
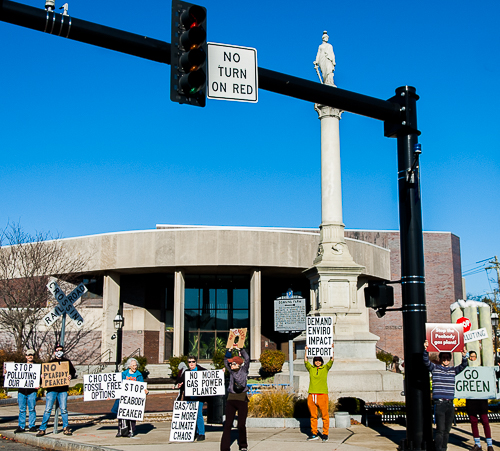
(444,337)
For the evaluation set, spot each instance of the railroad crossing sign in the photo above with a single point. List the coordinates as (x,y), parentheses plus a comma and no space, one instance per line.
(65,304)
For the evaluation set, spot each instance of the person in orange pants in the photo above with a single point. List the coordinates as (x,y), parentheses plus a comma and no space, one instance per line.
(318,394)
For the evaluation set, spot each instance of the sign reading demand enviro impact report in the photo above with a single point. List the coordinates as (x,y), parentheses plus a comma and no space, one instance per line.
(319,336)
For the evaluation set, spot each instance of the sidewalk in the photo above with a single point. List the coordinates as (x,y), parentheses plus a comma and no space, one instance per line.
(91,434)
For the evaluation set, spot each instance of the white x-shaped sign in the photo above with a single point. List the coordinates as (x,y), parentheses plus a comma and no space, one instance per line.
(65,304)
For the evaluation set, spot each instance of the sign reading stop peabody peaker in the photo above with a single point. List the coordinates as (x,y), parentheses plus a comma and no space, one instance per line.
(444,337)
(232,73)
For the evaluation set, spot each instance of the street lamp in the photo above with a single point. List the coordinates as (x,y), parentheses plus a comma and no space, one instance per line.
(118,322)
(494,323)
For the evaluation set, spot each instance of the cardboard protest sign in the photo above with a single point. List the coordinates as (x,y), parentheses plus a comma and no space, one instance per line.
(475,335)
(237,335)
(132,400)
(478,382)
(22,375)
(184,421)
(319,336)
(101,386)
(444,337)
(55,374)
(205,383)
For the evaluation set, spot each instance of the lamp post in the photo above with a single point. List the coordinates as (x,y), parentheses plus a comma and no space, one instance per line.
(118,322)
(494,323)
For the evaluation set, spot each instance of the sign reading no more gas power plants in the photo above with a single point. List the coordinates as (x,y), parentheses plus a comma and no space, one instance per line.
(232,73)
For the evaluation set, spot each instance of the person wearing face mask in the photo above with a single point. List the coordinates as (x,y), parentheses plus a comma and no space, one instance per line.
(237,399)
(27,397)
(443,392)
(318,394)
(58,393)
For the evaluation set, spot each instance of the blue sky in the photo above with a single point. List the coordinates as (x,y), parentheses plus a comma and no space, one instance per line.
(91,142)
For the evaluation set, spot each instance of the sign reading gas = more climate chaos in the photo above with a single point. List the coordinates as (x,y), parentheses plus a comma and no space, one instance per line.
(184,421)
(319,336)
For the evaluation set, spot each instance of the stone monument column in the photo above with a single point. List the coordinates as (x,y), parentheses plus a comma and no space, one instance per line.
(335,290)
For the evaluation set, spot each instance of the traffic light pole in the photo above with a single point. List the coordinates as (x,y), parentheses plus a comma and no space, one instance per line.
(399,116)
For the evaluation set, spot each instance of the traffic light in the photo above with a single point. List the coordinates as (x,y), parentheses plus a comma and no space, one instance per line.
(379,295)
(188,77)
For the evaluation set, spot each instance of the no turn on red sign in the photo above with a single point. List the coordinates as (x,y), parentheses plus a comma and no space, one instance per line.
(232,73)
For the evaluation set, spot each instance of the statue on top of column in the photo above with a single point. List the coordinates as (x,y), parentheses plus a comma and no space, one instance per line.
(325,59)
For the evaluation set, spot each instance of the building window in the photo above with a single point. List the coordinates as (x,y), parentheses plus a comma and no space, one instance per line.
(213,304)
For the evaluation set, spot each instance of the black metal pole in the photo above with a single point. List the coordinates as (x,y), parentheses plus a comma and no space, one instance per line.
(417,392)
(119,337)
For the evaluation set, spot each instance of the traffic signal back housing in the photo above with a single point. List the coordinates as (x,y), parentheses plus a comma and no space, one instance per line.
(189,53)
(379,295)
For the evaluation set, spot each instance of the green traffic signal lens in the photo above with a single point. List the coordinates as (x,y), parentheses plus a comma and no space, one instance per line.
(193,82)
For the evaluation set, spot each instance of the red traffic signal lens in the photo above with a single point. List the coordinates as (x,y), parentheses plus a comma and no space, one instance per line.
(193,16)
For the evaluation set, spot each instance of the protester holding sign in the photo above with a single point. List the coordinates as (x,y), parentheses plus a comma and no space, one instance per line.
(237,399)
(478,409)
(443,392)
(59,392)
(27,396)
(200,425)
(318,394)
(126,428)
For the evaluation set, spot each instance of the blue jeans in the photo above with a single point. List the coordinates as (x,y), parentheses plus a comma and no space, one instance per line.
(50,400)
(22,401)
(200,425)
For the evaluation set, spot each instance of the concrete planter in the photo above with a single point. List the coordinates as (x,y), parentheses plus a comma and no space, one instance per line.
(292,422)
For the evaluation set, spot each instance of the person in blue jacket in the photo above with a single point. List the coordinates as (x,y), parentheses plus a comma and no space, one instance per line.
(130,374)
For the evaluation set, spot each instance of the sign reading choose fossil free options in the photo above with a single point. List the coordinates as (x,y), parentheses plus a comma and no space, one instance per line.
(444,337)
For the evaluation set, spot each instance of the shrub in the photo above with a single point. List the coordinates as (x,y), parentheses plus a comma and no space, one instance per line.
(76,390)
(218,359)
(385,357)
(174,364)
(141,367)
(276,403)
(272,361)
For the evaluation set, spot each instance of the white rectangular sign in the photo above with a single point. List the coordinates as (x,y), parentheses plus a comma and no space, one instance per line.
(184,421)
(97,387)
(475,335)
(319,336)
(232,73)
(205,383)
(22,375)
(476,382)
(289,314)
(132,400)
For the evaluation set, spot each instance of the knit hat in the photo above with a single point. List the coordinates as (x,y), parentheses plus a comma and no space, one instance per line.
(318,359)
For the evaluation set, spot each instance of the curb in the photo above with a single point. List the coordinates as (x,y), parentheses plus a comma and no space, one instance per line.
(54,443)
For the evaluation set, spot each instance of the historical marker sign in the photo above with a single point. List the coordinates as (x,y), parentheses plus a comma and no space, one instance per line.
(232,73)
(289,314)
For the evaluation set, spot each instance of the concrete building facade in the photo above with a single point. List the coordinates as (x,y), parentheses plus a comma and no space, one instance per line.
(181,288)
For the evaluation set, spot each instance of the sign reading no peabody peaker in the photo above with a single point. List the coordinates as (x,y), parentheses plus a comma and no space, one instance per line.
(232,73)
(289,314)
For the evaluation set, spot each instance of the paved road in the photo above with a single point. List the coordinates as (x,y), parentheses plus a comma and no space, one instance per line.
(7,444)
